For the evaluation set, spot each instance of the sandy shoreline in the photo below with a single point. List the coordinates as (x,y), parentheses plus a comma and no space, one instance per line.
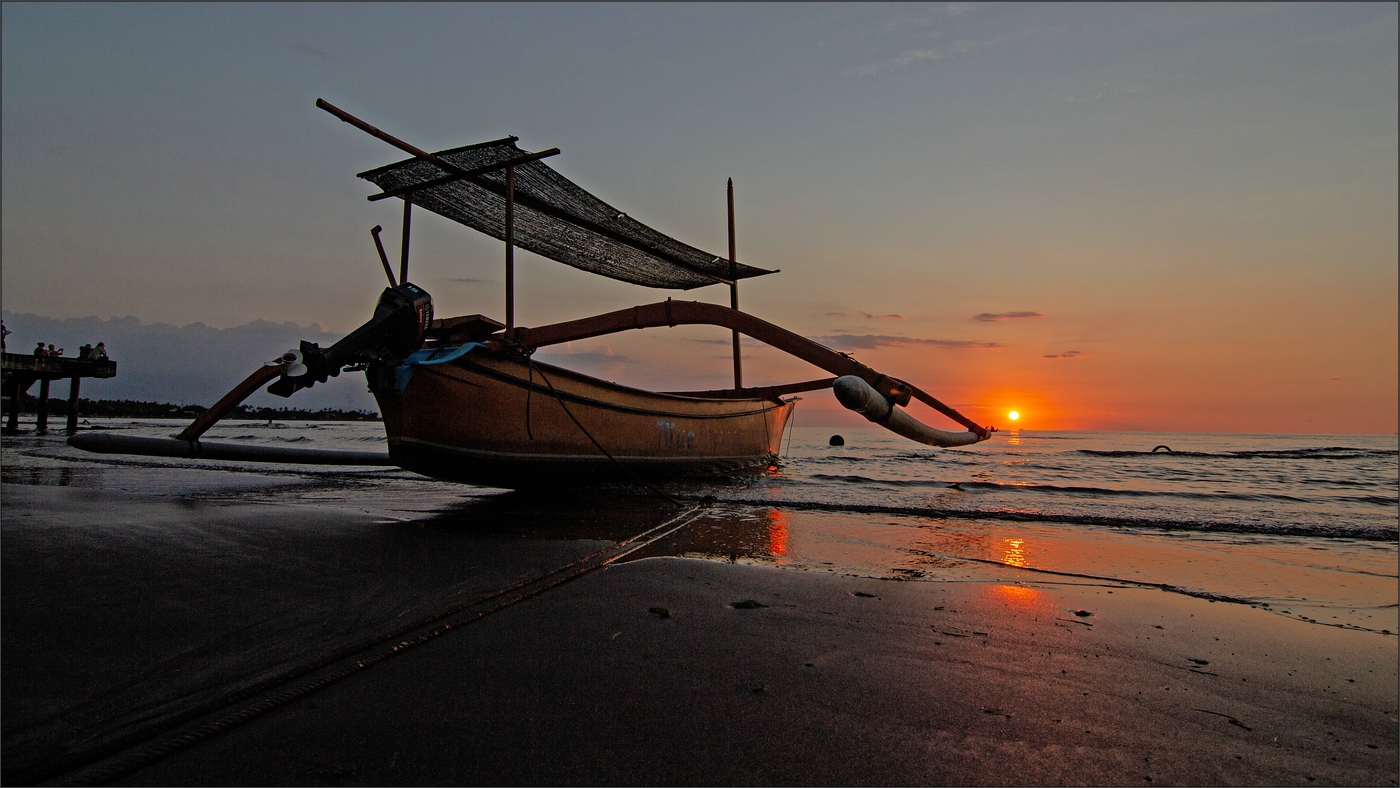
(110,621)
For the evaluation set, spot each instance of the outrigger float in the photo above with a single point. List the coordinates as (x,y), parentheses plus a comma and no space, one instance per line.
(463,397)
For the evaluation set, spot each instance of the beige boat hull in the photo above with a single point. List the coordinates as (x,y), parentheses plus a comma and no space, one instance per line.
(499,421)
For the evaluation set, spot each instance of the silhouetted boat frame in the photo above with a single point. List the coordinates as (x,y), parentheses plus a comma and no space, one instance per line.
(464,399)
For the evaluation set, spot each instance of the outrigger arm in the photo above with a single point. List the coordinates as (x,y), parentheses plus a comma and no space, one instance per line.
(675,313)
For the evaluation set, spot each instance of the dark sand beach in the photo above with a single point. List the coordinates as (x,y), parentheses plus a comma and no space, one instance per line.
(700,394)
(246,632)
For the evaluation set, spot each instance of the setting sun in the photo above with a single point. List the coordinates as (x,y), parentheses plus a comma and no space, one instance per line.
(1013,415)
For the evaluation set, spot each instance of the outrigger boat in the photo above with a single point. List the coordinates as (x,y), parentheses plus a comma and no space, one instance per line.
(463,398)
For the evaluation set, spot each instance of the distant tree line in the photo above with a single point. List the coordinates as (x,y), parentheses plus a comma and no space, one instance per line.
(135,409)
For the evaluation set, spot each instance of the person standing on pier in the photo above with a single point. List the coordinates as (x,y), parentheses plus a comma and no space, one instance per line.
(4,332)
(40,351)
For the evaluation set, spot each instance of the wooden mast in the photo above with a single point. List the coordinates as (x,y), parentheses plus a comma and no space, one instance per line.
(510,251)
(734,288)
(403,254)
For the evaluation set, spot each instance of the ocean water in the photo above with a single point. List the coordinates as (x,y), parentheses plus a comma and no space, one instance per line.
(1304,526)
(1303,485)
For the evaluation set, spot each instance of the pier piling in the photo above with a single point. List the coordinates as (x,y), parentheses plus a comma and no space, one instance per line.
(21,371)
(42,424)
(73,404)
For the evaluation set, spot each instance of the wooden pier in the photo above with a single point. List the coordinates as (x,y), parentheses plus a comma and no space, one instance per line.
(19,372)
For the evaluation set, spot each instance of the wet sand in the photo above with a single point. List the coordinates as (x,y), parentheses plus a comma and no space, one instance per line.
(121,612)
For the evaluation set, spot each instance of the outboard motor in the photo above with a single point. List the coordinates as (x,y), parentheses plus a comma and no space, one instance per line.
(400,319)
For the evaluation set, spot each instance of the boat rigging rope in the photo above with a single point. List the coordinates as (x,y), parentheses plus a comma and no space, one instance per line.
(515,347)
(791,428)
(560,400)
(125,763)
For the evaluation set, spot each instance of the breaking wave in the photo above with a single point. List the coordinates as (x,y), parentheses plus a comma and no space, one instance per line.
(1334,531)
(1324,453)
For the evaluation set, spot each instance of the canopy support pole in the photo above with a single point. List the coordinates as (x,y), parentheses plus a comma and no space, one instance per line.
(510,251)
(403,255)
(734,289)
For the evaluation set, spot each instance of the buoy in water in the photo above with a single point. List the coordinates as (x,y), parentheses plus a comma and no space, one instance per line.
(1162,446)
(836,440)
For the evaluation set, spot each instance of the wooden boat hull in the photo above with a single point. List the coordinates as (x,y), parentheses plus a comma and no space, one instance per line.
(490,419)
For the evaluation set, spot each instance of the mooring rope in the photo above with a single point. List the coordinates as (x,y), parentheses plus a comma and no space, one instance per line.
(792,427)
(140,758)
(617,462)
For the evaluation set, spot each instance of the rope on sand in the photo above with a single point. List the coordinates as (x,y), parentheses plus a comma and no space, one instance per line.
(125,763)
(605,452)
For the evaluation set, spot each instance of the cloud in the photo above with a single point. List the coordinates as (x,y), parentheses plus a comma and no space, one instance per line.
(598,360)
(873,341)
(866,315)
(469,280)
(588,357)
(993,317)
(193,364)
(1066,354)
(310,51)
(746,340)
(903,22)
(891,25)
(1101,91)
(959,9)
(910,56)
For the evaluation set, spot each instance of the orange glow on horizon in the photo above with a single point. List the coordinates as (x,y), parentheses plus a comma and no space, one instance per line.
(1130,389)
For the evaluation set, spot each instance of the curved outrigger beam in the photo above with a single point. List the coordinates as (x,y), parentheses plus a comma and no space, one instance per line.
(676,313)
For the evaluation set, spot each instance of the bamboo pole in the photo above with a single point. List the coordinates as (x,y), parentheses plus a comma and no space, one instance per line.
(403,256)
(510,251)
(734,289)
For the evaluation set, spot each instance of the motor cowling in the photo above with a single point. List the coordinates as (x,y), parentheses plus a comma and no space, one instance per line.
(400,320)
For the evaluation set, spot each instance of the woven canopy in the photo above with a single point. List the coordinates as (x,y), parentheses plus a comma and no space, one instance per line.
(554,218)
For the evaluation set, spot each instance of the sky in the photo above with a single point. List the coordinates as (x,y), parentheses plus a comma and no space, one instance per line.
(1142,217)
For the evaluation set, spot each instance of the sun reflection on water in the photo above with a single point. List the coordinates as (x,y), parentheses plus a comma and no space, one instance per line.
(1020,597)
(777,533)
(1015,552)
